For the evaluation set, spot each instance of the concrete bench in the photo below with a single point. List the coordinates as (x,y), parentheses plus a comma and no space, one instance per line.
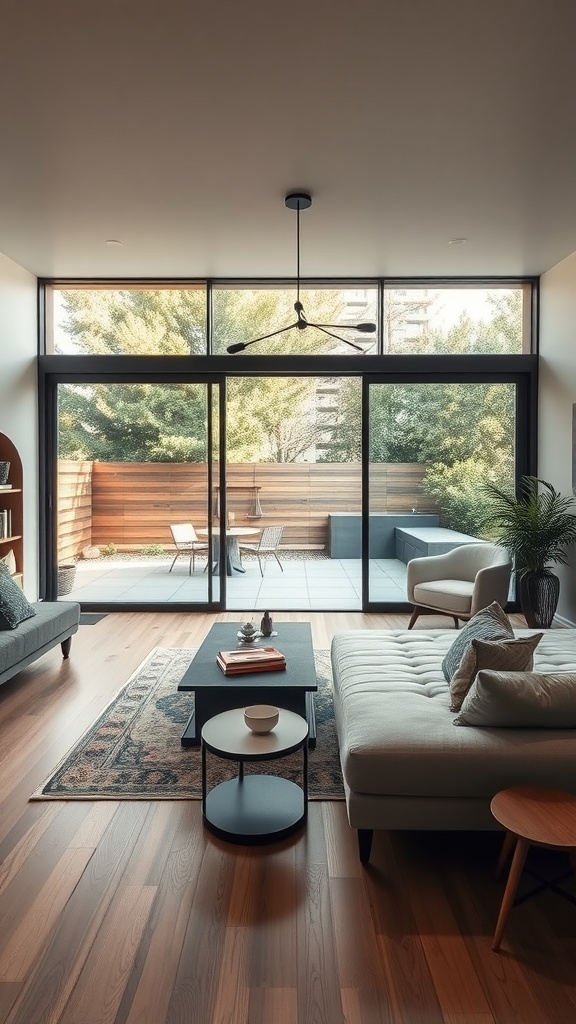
(345,532)
(428,540)
(54,623)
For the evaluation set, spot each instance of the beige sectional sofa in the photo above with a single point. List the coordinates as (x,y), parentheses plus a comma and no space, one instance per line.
(406,765)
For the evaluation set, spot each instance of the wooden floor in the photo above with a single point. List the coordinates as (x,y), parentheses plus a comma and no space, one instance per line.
(129,912)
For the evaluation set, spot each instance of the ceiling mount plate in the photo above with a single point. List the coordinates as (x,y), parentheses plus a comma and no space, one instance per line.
(298,201)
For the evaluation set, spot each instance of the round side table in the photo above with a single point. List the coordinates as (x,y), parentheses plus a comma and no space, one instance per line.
(531,815)
(252,809)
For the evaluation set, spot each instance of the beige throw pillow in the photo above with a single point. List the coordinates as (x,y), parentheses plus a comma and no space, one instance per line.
(9,560)
(500,655)
(532,700)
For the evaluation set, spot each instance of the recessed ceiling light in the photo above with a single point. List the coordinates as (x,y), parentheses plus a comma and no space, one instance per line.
(457,241)
(113,241)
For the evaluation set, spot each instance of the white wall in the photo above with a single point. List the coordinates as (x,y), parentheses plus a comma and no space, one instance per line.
(557,391)
(18,396)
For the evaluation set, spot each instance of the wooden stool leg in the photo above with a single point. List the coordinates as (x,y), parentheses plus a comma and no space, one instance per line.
(510,890)
(509,840)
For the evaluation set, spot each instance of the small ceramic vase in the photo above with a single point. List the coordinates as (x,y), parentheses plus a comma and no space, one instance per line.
(266,625)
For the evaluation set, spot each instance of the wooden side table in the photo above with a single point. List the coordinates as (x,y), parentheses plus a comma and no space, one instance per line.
(531,815)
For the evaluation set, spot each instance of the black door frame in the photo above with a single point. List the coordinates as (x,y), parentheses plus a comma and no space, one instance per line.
(521,370)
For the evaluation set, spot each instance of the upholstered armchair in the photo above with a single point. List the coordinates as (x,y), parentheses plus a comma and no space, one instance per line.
(459,582)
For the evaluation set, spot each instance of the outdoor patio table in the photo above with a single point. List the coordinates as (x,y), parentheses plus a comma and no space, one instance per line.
(233,559)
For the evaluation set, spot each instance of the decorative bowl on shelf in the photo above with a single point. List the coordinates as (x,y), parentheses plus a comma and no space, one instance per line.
(261,718)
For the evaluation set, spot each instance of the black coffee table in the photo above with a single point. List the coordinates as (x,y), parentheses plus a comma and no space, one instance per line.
(214,692)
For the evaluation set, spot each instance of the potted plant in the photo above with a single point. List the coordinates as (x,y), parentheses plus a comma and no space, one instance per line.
(536,528)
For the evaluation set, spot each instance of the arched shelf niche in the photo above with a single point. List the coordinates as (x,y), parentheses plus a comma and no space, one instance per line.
(11,509)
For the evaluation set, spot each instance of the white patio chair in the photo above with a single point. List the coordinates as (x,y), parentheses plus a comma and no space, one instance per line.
(187,543)
(460,582)
(267,545)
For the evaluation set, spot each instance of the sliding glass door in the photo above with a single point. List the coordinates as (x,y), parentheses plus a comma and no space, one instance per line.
(293,477)
(134,484)
(431,447)
(270,491)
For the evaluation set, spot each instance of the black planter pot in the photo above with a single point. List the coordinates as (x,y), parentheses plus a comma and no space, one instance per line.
(539,596)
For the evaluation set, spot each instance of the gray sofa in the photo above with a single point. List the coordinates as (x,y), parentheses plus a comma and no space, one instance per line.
(404,762)
(55,622)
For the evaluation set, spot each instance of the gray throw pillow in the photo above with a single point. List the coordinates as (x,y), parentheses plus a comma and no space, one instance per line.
(14,607)
(489,623)
(533,700)
(500,655)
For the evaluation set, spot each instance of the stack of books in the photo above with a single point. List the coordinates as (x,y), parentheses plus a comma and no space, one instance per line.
(260,659)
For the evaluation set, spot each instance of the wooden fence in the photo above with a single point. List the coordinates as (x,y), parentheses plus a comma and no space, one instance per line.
(132,504)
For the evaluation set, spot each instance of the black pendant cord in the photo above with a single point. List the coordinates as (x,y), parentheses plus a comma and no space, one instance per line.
(298,254)
(298,306)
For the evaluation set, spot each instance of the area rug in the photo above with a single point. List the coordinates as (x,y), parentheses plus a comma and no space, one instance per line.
(133,750)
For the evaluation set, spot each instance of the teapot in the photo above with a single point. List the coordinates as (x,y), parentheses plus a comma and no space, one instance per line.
(248,632)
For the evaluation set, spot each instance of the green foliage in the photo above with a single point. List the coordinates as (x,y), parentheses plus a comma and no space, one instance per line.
(108,550)
(133,422)
(498,333)
(153,549)
(135,321)
(457,490)
(278,419)
(536,527)
(242,314)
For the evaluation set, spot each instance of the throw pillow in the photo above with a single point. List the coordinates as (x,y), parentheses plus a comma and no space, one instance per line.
(545,700)
(500,655)
(489,623)
(14,607)
(9,560)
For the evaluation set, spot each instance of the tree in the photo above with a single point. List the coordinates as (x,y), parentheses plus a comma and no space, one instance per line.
(133,422)
(269,419)
(278,419)
(112,321)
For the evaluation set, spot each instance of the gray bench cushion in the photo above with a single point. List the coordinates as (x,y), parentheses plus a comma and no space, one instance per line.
(52,619)
(397,734)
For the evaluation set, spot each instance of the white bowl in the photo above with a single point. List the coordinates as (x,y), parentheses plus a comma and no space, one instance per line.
(261,718)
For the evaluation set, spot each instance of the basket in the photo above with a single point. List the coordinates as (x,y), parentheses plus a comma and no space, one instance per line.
(66,577)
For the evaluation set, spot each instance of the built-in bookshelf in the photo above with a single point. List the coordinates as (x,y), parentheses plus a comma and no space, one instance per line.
(11,507)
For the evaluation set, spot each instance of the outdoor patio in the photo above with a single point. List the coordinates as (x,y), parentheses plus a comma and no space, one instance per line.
(310,581)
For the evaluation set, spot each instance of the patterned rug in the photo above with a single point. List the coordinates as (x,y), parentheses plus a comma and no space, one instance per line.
(133,750)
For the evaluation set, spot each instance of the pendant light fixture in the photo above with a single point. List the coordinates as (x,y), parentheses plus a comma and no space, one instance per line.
(302,201)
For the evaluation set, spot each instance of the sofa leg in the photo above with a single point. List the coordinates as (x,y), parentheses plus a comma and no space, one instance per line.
(66,645)
(365,843)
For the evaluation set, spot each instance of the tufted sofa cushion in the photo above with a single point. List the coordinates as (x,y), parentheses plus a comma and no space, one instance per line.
(396,731)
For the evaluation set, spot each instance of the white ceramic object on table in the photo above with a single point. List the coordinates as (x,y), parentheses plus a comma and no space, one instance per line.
(261,718)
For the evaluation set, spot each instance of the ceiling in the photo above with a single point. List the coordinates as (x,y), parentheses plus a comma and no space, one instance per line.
(177,127)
